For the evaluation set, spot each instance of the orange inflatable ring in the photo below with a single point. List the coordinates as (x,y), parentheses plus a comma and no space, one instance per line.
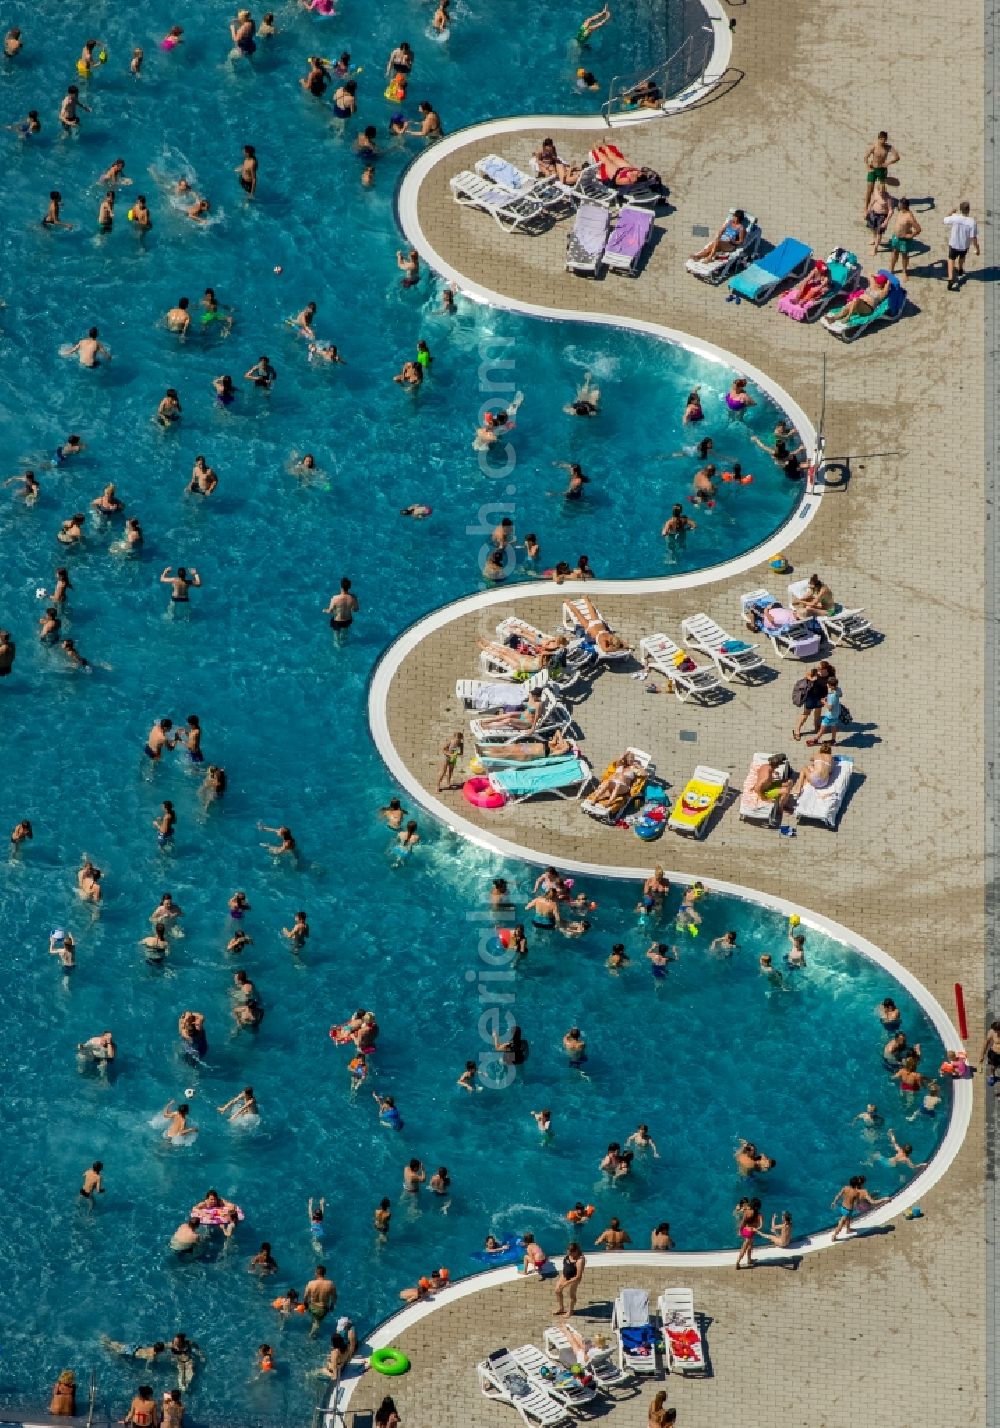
(477,791)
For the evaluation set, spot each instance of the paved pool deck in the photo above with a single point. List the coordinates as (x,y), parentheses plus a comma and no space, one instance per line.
(892,1329)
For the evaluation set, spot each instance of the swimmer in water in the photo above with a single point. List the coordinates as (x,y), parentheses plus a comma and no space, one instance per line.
(241,1105)
(180,584)
(28,126)
(287,844)
(169,410)
(419,513)
(412,375)
(467,1080)
(298,933)
(693,410)
(409,265)
(393,813)
(178,319)
(586,401)
(325,352)
(155,945)
(74,656)
(89,349)
(248,170)
(303,321)
(203,478)
(592,24)
(177,1116)
(52,219)
(869,1117)
(261,374)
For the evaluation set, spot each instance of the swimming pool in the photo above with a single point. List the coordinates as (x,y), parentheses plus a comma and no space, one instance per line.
(284,711)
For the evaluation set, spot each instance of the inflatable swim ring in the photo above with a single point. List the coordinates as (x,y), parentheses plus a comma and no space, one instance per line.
(389,1361)
(477,791)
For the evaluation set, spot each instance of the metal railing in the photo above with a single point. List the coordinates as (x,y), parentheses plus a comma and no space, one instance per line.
(670,77)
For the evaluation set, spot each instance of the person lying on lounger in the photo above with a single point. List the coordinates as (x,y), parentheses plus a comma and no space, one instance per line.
(813,286)
(525,718)
(732,235)
(616,786)
(864,301)
(597,629)
(529,663)
(585,1349)
(553,747)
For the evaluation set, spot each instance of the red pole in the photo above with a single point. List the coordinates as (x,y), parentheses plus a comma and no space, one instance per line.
(963,1025)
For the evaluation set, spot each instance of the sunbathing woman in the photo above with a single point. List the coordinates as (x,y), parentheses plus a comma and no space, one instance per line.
(597,629)
(550,165)
(817,601)
(818,772)
(813,286)
(863,302)
(527,663)
(732,235)
(525,718)
(618,782)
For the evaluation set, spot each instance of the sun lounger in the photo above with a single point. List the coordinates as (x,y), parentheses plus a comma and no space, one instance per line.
(888,310)
(697,801)
(575,622)
(585,244)
(553,715)
(612,812)
(842,269)
(599,1363)
(606,160)
(753,808)
(732,658)
(634,1331)
(501,1379)
(506,209)
(716,270)
(498,696)
(790,636)
(822,805)
(507,175)
(565,1387)
(846,627)
(632,234)
(762,279)
(701,683)
(559,776)
(683,1344)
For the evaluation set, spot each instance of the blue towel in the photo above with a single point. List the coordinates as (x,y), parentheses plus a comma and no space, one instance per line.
(639,1340)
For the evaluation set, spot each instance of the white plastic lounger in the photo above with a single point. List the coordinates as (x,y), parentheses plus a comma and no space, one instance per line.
(599,1363)
(506,209)
(564,1387)
(485,695)
(548,192)
(501,1379)
(514,627)
(553,716)
(606,813)
(585,243)
(846,627)
(683,1344)
(732,658)
(633,1328)
(575,621)
(752,808)
(633,232)
(702,683)
(794,639)
(822,805)
(716,270)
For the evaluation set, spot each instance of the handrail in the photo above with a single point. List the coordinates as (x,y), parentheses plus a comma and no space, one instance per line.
(660,69)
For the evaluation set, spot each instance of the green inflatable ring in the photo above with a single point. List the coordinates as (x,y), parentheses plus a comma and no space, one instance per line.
(389,1361)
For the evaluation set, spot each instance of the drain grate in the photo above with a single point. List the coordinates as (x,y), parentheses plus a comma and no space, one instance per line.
(700,231)
(687,736)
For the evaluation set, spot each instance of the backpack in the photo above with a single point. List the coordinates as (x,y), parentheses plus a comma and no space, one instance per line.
(799,689)
(845,715)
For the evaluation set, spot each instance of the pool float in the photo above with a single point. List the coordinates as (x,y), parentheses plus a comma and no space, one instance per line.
(510,1254)
(277,1304)
(215,1215)
(577,1217)
(477,791)
(389,1361)
(342,1035)
(739,480)
(395,90)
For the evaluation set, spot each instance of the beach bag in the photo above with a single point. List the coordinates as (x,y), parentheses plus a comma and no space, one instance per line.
(845,715)
(799,689)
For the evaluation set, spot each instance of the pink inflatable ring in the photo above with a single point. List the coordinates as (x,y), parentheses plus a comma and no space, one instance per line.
(477,791)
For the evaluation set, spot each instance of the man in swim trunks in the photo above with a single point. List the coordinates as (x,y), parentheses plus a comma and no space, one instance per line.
(92,1184)
(853,1200)
(262,374)
(90,350)
(905,229)
(248,171)
(68,117)
(145,1353)
(342,608)
(180,583)
(178,319)
(878,158)
(159,739)
(319,1297)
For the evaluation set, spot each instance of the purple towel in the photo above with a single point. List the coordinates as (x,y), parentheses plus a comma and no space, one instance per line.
(591,228)
(631,232)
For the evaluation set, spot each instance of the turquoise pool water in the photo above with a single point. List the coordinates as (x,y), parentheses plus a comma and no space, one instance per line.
(284,711)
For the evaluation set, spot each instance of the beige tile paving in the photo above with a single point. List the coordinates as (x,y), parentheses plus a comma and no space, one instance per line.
(889,1331)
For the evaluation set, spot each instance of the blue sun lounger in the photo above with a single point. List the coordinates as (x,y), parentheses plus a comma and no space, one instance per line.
(556,776)
(762,279)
